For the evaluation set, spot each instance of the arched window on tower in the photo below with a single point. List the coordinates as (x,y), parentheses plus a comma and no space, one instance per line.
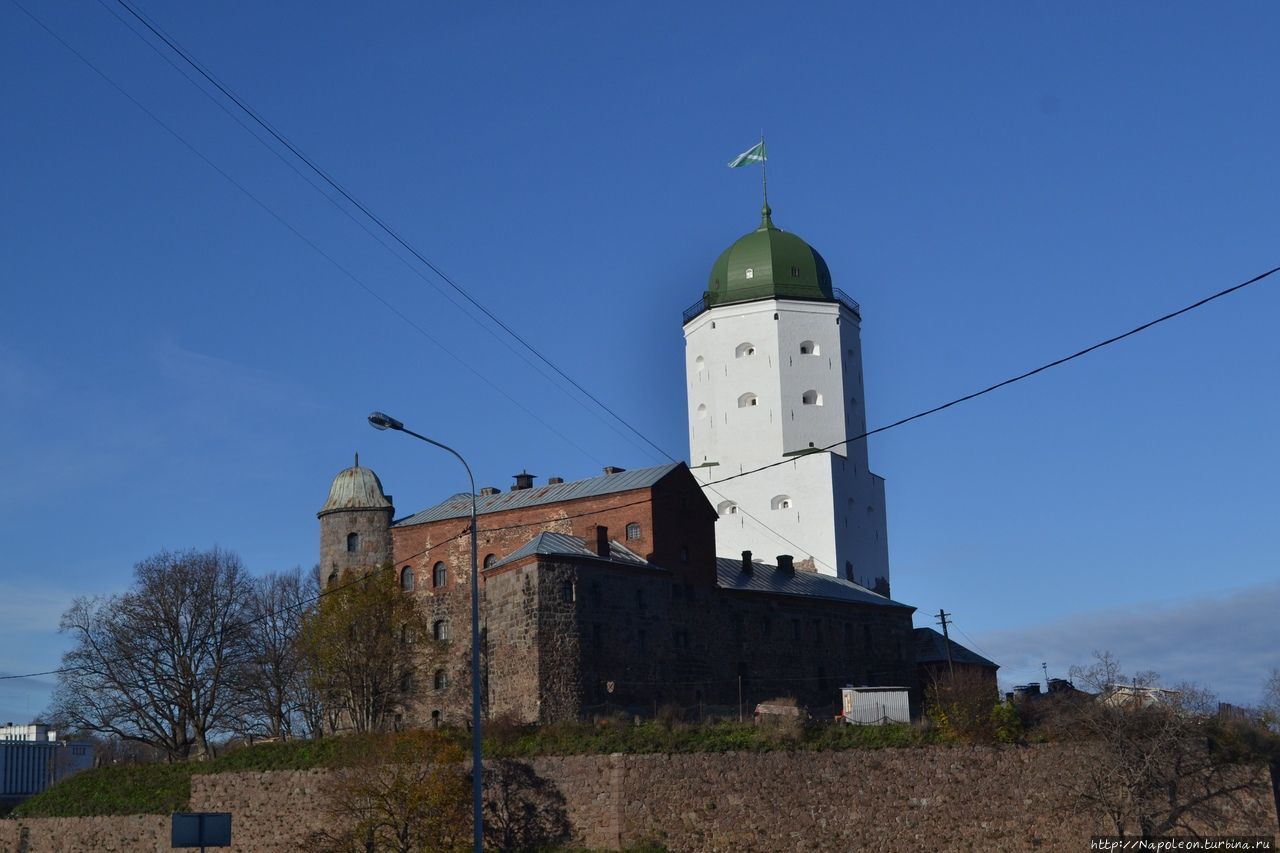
(490,560)
(353,542)
(699,364)
(439,575)
(808,348)
(702,411)
(811,398)
(406,579)
(744,349)
(748,399)
(333,577)
(781,502)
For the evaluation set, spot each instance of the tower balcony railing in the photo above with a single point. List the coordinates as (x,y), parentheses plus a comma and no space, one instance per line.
(766,292)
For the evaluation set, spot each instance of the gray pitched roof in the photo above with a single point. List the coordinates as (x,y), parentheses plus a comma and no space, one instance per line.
(560,544)
(767,578)
(931,647)
(459,506)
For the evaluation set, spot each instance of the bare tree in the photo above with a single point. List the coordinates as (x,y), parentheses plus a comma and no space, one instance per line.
(158,664)
(1270,706)
(273,688)
(1146,765)
(364,645)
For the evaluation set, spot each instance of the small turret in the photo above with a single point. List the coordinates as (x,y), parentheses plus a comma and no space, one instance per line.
(355,524)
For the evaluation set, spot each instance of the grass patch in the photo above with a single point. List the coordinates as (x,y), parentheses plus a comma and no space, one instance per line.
(122,790)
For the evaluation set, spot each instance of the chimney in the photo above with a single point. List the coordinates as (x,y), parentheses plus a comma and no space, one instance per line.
(486,491)
(554,481)
(611,469)
(746,562)
(785,564)
(602,541)
(524,480)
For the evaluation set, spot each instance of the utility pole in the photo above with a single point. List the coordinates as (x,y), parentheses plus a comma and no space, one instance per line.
(1045,666)
(942,620)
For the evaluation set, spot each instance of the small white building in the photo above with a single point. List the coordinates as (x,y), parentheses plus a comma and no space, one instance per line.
(32,758)
(875,706)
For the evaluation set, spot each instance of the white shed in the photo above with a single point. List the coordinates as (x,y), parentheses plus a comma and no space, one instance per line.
(875,706)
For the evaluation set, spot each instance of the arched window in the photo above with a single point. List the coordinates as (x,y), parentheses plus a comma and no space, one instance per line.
(490,560)
(406,579)
(440,681)
(440,629)
(699,364)
(808,348)
(353,542)
(633,531)
(780,502)
(333,577)
(811,398)
(406,636)
(406,683)
(747,399)
(702,410)
(439,575)
(727,508)
(744,349)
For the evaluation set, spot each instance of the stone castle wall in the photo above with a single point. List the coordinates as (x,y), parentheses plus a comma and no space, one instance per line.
(964,798)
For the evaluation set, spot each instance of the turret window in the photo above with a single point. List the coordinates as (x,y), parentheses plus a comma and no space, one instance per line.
(750,273)
(809,348)
(744,349)
(781,502)
(727,508)
(353,542)
(490,560)
(406,579)
(699,364)
(811,398)
(439,575)
(747,399)
(702,410)
(795,272)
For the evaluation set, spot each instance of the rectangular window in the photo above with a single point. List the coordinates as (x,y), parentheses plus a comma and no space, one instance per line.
(566,592)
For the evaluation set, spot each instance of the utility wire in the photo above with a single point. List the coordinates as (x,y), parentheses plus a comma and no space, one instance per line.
(1013,379)
(293,230)
(381,223)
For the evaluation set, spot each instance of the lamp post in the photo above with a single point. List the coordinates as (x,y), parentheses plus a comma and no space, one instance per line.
(378,420)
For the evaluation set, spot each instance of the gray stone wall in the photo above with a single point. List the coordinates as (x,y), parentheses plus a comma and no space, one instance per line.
(963,798)
(372,526)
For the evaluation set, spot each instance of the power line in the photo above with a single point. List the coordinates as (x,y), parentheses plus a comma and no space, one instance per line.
(293,230)
(1013,379)
(381,223)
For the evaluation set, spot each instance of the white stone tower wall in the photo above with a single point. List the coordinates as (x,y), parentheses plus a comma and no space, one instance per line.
(756,347)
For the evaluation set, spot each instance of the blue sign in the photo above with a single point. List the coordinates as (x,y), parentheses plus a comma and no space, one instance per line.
(201,829)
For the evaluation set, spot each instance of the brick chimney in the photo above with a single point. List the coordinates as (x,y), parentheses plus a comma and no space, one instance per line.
(554,481)
(524,480)
(611,469)
(602,541)
(746,562)
(785,564)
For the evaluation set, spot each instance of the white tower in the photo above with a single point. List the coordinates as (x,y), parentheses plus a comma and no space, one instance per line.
(774,365)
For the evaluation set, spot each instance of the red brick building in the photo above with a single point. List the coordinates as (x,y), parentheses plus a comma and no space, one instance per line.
(606,593)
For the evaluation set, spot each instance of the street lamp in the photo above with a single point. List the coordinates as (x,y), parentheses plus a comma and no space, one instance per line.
(378,420)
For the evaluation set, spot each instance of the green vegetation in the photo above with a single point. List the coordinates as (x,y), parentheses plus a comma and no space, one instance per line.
(122,790)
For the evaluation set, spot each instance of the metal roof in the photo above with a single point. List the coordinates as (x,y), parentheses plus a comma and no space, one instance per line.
(931,648)
(356,488)
(459,506)
(561,544)
(767,578)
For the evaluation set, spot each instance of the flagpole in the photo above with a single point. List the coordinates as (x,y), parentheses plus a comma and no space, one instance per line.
(764,168)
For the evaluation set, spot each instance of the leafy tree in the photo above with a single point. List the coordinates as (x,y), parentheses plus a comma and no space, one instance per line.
(159,664)
(365,644)
(408,793)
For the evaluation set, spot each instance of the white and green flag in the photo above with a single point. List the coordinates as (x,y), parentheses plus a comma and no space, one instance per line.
(754,154)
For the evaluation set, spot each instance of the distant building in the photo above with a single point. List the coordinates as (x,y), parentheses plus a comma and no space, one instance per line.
(32,758)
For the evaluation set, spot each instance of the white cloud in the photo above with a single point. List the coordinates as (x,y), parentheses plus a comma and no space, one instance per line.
(1227,642)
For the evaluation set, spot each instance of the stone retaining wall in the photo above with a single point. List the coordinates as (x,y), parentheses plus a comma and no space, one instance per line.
(964,798)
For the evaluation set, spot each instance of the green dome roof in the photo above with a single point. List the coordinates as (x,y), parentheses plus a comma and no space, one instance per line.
(768,263)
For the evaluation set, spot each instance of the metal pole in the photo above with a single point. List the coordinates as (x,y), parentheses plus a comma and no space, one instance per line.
(946,641)
(381,421)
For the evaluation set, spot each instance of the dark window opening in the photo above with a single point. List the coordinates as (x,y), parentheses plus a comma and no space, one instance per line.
(490,560)
(440,681)
(566,592)
(353,542)
(439,575)
(440,629)
(406,579)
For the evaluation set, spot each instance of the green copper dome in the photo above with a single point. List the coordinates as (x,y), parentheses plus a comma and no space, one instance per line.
(768,263)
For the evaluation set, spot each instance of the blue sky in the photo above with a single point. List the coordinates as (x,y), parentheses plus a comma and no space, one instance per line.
(997,184)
